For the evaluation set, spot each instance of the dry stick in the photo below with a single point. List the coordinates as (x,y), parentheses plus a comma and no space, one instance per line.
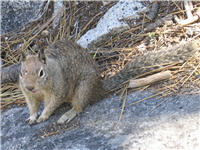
(145,74)
(11,102)
(150,79)
(50,134)
(190,18)
(158,105)
(44,26)
(191,74)
(47,23)
(165,101)
(10,74)
(168,87)
(86,26)
(146,98)
(142,82)
(149,27)
(188,7)
(191,93)
(70,19)
(123,105)
(154,10)
(158,23)
(63,32)
(27,34)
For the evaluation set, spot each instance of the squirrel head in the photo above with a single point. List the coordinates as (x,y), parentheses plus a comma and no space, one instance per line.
(33,74)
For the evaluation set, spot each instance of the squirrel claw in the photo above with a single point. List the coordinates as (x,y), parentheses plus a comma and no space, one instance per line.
(41,119)
(32,119)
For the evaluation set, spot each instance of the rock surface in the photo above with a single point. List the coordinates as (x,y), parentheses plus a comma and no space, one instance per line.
(111,22)
(173,125)
(15,14)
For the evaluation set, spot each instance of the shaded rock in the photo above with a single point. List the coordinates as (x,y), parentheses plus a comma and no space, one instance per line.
(15,14)
(173,125)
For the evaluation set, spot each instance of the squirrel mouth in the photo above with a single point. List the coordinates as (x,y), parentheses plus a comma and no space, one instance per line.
(33,91)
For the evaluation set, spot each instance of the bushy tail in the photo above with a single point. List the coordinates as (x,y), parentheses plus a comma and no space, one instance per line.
(142,64)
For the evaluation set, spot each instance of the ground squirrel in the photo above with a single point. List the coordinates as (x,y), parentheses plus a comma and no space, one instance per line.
(65,72)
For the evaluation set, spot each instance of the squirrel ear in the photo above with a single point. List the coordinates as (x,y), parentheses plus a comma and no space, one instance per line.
(41,56)
(23,56)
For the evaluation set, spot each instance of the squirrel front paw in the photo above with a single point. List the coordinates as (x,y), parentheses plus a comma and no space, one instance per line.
(42,118)
(32,119)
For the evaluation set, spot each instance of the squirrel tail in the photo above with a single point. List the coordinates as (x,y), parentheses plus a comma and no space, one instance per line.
(151,61)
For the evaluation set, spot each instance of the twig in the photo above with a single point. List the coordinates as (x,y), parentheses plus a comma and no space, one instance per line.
(146,98)
(188,7)
(191,74)
(158,105)
(86,26)
(150,79)
(123,106)
(190,18)
(154,10)
(158,23)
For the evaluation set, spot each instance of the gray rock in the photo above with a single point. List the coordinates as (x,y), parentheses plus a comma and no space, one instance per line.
(15,14)
(111,23)
(173,125)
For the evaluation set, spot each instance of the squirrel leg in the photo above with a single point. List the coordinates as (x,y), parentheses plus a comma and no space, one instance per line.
(33,105)
(79,101)
(49,108)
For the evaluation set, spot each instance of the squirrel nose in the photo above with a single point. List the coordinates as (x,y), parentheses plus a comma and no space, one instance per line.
(30,88)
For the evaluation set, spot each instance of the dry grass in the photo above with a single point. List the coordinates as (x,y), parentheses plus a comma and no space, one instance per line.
(112,54)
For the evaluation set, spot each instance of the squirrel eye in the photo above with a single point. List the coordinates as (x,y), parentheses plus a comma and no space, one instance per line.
(25,72)
(41,73)
(20,73)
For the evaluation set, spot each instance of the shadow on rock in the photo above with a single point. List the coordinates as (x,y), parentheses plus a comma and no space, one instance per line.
(172,125)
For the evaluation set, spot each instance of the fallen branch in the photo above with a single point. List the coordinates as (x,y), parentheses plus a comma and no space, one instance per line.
(10,74)
(190,18)
(154,10)
(149,79)
(142,64)
(162,21)
(188,21)
(188,7)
